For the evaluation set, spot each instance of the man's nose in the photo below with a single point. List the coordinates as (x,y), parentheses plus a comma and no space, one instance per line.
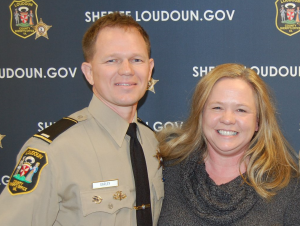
(126,68)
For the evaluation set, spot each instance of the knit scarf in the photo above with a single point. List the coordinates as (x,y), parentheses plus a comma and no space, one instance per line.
(215,204)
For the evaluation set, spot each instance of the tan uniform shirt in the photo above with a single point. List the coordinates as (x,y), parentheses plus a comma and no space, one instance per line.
(95,149)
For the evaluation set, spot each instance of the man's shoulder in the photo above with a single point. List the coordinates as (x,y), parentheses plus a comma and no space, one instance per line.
(62,126)
(146,130)
(141,122)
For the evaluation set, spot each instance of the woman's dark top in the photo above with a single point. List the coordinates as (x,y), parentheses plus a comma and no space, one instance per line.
(192,198)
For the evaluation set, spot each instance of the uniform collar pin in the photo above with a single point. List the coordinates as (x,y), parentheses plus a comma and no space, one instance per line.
(160,159)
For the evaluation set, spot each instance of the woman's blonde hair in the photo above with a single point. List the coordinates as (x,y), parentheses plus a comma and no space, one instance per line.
(271,160)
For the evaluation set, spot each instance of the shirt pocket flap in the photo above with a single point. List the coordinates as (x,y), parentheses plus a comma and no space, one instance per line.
(158,186)
(102,200)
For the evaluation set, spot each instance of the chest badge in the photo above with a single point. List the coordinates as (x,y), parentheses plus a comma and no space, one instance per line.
(97,199)
(119,195)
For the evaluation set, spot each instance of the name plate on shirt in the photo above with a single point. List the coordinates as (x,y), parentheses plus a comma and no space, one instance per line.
(105,184)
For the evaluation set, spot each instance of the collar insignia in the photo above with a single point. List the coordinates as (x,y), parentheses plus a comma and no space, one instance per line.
(160,159)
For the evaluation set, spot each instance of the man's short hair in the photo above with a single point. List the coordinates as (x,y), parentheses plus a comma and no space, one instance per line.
(111,20)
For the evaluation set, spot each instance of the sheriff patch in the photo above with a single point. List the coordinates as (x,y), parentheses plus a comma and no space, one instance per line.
(26,175)
(23,15)
(288,16)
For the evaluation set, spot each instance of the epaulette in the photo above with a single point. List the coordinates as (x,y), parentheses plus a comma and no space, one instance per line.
(141,121)
(53,131)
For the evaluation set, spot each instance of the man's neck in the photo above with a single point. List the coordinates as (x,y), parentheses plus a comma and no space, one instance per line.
(127,113)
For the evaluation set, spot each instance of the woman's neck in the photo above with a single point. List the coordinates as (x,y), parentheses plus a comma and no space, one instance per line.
(223,169)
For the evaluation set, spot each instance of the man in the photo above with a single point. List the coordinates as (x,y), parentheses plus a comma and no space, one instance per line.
(84,174)
(282,13)
(16,13)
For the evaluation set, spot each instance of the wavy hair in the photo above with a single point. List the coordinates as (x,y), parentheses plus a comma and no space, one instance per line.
(271,159)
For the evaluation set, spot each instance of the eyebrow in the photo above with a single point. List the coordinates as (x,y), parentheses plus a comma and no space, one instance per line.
(239,105)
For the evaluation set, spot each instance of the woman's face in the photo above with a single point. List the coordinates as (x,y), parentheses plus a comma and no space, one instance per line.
(230,117)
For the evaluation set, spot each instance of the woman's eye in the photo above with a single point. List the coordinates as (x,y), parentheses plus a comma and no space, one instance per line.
(241,110)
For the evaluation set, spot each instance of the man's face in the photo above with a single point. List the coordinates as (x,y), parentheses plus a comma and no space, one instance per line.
(120,68)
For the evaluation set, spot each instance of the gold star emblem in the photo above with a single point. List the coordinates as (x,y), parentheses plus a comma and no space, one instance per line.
(160,159)
(1,137)
(151,84)
(41,29)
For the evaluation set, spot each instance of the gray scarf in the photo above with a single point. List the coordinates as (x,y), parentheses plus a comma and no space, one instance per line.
(217,205)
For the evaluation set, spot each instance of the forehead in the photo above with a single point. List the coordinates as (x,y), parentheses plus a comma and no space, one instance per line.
(233,88)
(115,35)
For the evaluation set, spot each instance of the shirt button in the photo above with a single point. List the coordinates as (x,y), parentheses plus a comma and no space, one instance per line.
(110,206)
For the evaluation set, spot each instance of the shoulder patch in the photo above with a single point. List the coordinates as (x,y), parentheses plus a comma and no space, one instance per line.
(26,175)
(53,131)
(141,121)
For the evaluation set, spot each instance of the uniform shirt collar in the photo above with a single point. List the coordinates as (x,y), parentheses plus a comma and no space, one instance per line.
(112,122)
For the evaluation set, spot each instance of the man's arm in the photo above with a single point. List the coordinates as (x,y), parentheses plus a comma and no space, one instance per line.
(35,203)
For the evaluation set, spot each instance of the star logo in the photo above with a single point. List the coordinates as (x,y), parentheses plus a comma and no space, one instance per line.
(160,159)
(1,137)
(151,84)
(41,29)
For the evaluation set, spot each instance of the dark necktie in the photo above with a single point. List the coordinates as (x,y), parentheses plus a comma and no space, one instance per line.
(139,168)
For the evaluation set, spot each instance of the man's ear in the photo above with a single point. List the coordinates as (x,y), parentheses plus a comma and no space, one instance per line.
(151,64)
(86,69)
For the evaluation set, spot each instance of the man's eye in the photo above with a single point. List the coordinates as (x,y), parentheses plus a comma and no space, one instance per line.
(137,60)
(111,61)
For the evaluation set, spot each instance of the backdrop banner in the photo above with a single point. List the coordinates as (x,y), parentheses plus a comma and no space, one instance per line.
(40,59)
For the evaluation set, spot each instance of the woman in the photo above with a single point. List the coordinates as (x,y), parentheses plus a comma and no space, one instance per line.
(230,163)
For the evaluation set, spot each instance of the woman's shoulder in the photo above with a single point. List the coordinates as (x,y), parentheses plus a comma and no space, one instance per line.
(294,186)
(170,166)
(289,193)
(289,197)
